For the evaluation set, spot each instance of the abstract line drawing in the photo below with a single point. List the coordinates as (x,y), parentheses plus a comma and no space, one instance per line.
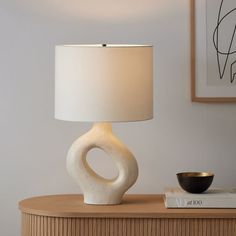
(226,57)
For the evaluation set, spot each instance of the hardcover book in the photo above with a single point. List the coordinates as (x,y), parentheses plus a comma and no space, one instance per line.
(213,198)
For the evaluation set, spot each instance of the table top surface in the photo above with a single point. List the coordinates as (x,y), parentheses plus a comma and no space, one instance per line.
(133,206)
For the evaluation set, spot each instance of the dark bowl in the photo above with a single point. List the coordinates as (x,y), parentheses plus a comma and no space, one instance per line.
(195,182)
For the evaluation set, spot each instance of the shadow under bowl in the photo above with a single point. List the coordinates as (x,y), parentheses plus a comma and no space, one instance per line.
(195,182)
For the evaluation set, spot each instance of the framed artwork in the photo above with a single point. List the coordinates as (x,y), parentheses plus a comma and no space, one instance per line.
(213,50)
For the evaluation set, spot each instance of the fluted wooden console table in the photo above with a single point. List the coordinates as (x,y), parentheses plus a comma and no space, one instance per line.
(139,215)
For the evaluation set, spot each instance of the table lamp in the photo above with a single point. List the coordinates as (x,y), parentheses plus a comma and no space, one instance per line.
(103,84)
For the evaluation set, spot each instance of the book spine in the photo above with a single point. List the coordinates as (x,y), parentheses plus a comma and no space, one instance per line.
(199,203)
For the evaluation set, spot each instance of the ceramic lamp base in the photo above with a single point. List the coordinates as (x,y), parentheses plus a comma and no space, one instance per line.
(96,189)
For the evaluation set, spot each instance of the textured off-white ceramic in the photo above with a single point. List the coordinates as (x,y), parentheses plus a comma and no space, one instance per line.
(96,189)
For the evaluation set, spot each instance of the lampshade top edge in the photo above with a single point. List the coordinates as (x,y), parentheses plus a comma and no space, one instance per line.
(104,45)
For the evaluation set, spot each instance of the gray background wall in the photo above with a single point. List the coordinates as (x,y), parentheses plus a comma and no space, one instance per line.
(33,146)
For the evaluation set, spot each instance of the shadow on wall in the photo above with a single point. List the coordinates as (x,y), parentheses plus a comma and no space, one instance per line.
(113,10)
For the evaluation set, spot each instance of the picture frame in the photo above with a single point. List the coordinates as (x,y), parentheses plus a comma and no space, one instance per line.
(206,87)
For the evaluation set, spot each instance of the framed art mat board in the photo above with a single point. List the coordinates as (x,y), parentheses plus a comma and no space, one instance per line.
(213,50)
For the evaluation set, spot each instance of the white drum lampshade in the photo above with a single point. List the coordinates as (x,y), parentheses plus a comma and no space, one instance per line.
(103,83)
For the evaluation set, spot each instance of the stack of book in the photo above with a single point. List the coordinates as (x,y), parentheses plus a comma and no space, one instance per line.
(213,198)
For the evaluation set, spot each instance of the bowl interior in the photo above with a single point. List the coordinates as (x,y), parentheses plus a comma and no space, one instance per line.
(195,174)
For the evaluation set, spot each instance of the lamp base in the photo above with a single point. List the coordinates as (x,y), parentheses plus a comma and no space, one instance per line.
(96,189)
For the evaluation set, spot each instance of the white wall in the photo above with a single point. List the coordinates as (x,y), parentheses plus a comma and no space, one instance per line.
(183,136)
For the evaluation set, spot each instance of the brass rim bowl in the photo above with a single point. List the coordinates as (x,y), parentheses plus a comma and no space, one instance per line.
(195,182)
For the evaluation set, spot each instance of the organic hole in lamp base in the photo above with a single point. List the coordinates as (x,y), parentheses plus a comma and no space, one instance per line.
(96,189)
(101,163)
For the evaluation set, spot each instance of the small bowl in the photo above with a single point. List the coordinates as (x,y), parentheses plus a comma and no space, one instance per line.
(195,182)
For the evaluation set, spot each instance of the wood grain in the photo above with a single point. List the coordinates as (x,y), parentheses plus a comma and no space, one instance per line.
(133,206)
(139,215)
(46,226)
